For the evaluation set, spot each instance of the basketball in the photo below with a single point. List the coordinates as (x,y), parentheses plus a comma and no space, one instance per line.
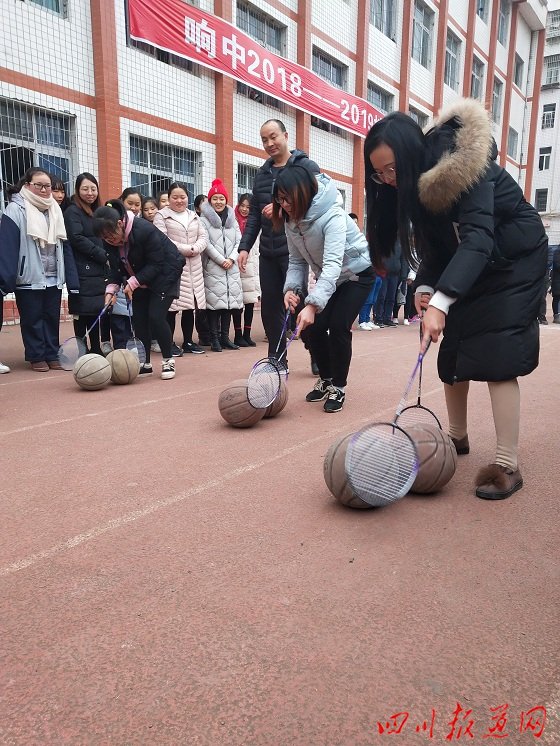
(279,403)
(235,407)
(92,372)
(334,472)
(124,366)
(436,455)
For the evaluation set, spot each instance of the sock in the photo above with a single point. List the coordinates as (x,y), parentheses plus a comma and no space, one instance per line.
(456,401)
(504,396)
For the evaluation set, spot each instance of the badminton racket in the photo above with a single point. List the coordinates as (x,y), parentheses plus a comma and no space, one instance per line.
(134,344)
(382,459)
(418,414)
(264,380)
(73,348)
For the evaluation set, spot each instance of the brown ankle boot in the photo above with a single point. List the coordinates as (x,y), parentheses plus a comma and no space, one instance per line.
(496,482)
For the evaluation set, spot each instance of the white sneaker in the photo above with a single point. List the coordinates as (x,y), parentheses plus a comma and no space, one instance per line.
(106,348)
(154,347)
(168,369)
(373,326)
(406,322)
(4,368)
(364,326)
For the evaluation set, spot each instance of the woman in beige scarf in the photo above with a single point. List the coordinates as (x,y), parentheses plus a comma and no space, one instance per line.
(32,264)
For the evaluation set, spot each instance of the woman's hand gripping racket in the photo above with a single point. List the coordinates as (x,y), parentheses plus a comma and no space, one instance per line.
(134,344)
(72,349)
(417,414)
(265,377)
(382,459)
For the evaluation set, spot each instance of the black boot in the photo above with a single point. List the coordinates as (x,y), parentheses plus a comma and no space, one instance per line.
(239,340)
(214,332)
(227,344)
(247,337)
(215,345)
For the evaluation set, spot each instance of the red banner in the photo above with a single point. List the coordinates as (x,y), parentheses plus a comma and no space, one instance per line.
(210,41)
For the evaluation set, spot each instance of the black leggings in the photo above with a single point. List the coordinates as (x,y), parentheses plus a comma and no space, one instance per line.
(187,323)
(150,320)
(80,326)
(272,273)
(329,339)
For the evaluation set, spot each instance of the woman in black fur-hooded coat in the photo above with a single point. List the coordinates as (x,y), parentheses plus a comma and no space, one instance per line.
(482,251)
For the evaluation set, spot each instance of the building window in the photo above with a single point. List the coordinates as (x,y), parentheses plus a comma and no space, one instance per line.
(553,25)
(261,27)
(541,198)
(482,9)
(245,178)
(155,165)
(477,79)
(382,15)
(261,98)
(166,57)
(518,71)
(548,116)
(334,72)
(329,69)
(503,18)
(31,136)
(552,66)
(544,158)
(513,139)
(422,33)
(419,117)
(497,91)
(57,6)
(379,98)
(452,50)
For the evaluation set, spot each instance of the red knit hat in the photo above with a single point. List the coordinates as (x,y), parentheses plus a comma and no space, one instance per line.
(218,188)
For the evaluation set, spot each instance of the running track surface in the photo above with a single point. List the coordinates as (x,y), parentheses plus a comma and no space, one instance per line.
(166,579)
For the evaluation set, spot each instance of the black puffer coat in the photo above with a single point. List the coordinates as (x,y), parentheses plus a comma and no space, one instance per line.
(155,259)
(91,262)
(272,243)
(555,279)
(486,246)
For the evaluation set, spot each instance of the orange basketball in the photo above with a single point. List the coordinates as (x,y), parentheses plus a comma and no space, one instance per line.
(334,471)
(235,408)
(437,457)
(279,403)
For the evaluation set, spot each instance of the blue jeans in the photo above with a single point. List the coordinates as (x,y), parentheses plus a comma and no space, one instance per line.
(365,311)
(39,315)
(386,298)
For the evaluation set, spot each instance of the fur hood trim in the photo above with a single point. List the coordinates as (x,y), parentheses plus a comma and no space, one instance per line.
(458,170)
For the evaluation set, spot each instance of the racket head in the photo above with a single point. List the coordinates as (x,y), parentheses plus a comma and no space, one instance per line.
(263,384)
(70,352)
(417,414)
(136,346)
(381,463)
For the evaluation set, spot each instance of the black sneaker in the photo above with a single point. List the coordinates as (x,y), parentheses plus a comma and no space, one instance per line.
(191,347)
(389,323)
(176,351)
(145,369)
(320,391)
(335,400)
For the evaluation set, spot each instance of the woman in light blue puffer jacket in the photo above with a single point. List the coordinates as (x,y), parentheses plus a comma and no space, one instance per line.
(321,236)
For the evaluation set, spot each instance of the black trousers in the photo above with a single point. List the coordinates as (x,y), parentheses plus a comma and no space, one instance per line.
(150,320)
(39,314)
(272,273)
(329,339)
(81,324)
(187,323)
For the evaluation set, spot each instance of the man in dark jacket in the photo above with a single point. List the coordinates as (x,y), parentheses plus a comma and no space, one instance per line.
(273,247)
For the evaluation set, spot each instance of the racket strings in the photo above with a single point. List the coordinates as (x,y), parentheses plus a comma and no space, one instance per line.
(264,383)
(381,464)
(417,414)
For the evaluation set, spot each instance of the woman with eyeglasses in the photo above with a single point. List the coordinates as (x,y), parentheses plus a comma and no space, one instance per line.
(482,251)
(32,235)
(323,238)
(90,256)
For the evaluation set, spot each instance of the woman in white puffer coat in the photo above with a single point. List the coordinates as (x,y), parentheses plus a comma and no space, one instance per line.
(185,229)
(222,279)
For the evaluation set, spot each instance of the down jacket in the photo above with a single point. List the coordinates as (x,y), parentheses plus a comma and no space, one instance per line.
(193,237)
(485,246)
(223,286)
(272,243)
(328,242)
(91,262)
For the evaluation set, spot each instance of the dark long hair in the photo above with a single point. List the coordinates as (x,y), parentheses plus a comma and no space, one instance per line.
(86,176)
(390,210)
(26,179)
(300,186)
(105,218)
